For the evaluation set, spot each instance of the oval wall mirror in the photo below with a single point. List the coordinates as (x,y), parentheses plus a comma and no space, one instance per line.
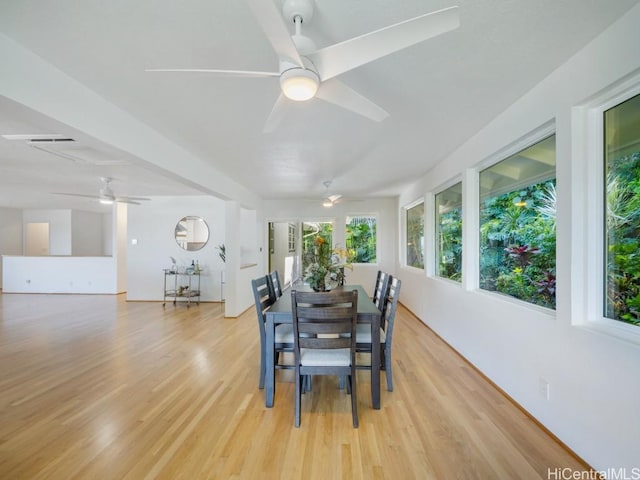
(192,233)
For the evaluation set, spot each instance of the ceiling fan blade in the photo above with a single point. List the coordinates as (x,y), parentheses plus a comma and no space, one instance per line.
(276,115)
(347,55)
(334,198)
(127,197)
(126,200)
(231,73)
(275,28)
(336,92)
(75,195)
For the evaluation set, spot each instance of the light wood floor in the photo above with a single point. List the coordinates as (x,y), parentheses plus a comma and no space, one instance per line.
(94,387)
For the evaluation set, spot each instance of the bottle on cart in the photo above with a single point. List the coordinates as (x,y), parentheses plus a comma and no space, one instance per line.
(197,268)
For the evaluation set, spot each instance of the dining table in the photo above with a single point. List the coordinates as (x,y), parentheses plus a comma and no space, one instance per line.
(280,312)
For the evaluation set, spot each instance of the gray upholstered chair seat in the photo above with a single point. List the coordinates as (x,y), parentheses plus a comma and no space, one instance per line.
(284,333)
(340,357)
(363,334)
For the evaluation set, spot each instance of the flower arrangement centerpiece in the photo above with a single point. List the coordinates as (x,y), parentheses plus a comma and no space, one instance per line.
(325,266)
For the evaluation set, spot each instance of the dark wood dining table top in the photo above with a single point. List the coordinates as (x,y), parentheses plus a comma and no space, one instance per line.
(282,306)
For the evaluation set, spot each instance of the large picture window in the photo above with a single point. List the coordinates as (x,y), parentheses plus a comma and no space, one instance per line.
(622,211)
(518,225)
(360,239)
(415,236)
(449,233)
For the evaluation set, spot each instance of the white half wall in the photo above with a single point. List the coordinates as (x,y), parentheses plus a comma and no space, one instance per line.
(62,274)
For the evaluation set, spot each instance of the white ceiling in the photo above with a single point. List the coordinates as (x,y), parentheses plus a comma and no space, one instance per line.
(438,93)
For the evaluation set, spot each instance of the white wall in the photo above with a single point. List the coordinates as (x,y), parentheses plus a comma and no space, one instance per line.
(59,228)
(87,236)
(383,208)
(243,260)
(119,226)
(107,234)
(152,226)
(593,377)
(10,234)
(248,237)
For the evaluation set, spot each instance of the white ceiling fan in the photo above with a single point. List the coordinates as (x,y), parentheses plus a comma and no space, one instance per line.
(329,199)
(306,72)
(106,195)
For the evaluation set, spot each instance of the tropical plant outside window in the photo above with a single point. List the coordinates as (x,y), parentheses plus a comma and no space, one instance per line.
(622,184)
(360,239)
(415,236)
(449,232)
(518,225)
(310,231)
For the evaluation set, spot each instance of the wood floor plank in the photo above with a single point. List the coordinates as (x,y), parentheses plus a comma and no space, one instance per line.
(94,387)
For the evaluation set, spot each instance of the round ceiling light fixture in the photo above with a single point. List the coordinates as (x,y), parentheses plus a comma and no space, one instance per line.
(299,84)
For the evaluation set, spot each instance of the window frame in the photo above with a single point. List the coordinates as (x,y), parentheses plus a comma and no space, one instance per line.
(533,137)
(591,288)
(436,267)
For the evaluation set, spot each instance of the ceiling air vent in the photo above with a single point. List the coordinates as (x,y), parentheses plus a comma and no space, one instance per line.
(51,140)
(69,149)
(65,147)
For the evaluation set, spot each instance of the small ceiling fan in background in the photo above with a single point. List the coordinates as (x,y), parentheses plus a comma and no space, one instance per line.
(306,72)
(329,199)
(106,195)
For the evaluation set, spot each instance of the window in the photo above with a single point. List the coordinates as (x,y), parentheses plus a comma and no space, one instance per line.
(311,230)
(291,237)
(622,211)
(449,233)
(360,239)
(518,225)
(415,236)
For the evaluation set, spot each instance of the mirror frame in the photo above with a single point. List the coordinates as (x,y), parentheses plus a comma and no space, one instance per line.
(184,226)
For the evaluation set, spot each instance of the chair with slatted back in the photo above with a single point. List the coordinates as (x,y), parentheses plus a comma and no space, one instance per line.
(387,320)
(324,327)
(283,333)
(380,289)
(275,287)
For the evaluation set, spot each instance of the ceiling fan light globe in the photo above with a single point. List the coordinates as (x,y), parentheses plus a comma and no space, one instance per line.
(327,203)
(106,201)
(299,84)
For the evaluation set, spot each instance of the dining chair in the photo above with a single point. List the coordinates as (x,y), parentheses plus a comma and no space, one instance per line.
(380,289)
(363,332)
(324,334)
(283,333)
(275,287)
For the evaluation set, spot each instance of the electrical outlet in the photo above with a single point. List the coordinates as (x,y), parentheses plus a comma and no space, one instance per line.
(544,388)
